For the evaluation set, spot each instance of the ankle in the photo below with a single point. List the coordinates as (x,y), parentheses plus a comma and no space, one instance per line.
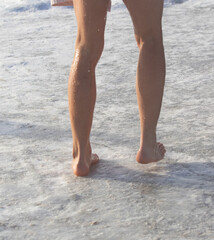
(81,152)
(148,141)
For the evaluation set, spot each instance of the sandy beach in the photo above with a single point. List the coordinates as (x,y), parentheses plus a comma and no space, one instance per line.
(40,198)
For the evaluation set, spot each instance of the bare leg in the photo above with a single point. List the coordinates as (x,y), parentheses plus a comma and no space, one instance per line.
(67,3)
(91,19)
(146,16)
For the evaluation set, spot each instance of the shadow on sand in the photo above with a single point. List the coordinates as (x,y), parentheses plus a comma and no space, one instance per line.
(192,175)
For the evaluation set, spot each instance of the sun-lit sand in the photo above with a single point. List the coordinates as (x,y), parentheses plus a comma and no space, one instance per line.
(40,198)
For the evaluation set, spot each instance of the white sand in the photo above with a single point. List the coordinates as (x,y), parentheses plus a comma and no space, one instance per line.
(40,198)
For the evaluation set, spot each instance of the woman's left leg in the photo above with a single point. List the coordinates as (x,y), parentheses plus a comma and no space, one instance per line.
(91,20)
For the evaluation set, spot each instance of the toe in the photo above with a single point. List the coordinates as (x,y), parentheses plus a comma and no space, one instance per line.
(94,158)
(163,152)
(161,149)
(161,146)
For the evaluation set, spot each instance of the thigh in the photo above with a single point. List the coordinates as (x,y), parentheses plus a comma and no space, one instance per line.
(91,18)
(146,16)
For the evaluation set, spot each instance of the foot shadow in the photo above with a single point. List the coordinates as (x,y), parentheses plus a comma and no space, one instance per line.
(192,175)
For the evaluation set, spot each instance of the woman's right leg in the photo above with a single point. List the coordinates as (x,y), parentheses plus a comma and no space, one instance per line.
(91,20)
(146,16)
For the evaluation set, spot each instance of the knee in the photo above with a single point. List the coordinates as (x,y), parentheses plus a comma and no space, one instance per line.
(89,50)
(150,42)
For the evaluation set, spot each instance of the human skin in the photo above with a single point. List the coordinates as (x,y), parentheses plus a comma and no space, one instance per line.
(91,20)
(63,4)
(146,16)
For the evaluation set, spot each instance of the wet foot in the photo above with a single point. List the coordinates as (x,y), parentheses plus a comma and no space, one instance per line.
(149,155)
(82,168)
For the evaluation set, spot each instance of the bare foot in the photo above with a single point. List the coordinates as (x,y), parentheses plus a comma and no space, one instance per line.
(146,155)
(82,167)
